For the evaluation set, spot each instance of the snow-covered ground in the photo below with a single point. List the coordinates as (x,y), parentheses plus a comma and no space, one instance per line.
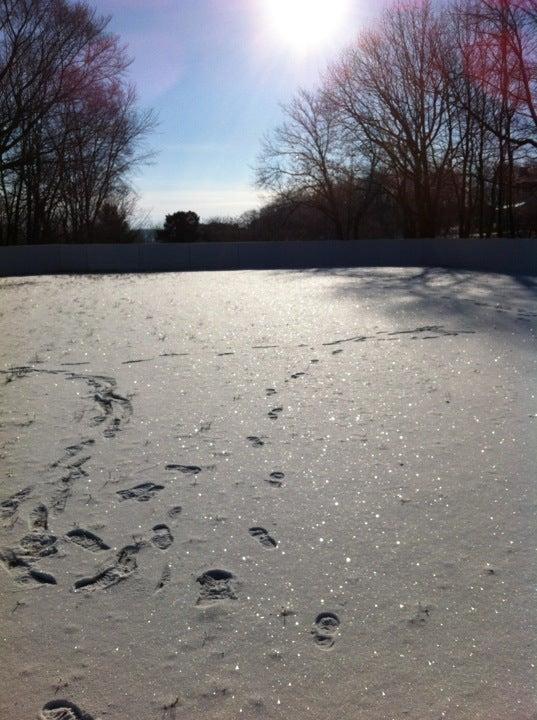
(304,495)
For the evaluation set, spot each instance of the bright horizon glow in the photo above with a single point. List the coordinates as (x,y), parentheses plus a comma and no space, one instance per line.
(305,25)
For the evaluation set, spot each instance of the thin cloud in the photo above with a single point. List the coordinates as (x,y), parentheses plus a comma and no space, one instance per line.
(212,202)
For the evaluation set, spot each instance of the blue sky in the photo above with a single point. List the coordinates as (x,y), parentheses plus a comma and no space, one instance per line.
(215,71)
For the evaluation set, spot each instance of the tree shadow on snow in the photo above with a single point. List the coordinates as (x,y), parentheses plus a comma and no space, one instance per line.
(459,299)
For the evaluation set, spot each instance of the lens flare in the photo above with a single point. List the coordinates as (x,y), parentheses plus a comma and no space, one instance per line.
(306,24)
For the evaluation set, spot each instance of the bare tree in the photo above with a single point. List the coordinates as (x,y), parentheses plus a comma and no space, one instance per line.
(512,70)
(474,165)
(70,131)
(44,47)
(433,108)
(393,96)
(499,63)
(299,160)
(309,160)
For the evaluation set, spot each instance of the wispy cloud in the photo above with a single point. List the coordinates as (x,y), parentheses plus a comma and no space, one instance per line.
(207,202)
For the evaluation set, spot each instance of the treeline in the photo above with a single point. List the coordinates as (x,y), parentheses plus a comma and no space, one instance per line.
(273,222)
(70,130)
(425,126)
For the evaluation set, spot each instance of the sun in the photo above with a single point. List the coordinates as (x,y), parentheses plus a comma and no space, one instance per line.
(306,24)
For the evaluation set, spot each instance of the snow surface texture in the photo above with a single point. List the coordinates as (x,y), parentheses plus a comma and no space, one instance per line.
(268,495)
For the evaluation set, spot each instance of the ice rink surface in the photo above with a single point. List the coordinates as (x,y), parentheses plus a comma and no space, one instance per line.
(278,494)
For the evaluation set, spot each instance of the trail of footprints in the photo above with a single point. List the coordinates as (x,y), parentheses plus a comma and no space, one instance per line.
(220,584)
(39,542)
(32,546)
(109,409)
(215,585)
(113,409)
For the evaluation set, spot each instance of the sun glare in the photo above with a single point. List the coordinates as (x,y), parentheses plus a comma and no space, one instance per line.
(306,24)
